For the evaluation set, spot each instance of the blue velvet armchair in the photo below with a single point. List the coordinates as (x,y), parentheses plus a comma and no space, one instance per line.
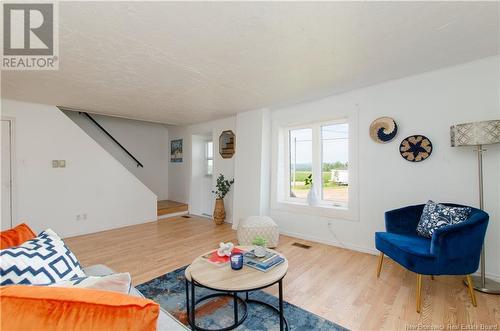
(452,250)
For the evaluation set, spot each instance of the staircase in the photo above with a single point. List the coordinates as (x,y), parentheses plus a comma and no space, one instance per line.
(169,208)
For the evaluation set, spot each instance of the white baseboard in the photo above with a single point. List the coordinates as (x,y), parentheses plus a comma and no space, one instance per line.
(331,242)
(83,233)
(357,248)
(491,276)
(173,215)
(205,217)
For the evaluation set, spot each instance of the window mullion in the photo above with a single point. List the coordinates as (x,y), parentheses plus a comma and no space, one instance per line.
(316,159)
(286,183)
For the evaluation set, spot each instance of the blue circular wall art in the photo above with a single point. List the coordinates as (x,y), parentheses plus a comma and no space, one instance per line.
(415,148)
(383,129)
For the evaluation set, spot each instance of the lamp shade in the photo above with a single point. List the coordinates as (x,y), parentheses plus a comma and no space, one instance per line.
(476,133)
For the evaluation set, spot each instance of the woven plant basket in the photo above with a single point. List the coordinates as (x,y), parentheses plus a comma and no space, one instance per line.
(219,211)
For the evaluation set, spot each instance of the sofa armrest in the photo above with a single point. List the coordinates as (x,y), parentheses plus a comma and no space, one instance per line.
(166,322)
(403,220)
(98,270)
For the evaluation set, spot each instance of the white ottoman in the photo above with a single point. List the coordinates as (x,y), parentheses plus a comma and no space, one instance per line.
(254,226)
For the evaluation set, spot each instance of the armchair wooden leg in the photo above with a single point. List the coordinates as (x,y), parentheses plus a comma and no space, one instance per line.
(471,290)
(432,277)
(380,261)
(419,292)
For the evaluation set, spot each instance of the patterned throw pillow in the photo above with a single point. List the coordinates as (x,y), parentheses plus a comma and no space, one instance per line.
(42,260)
(436,215)
(120,282)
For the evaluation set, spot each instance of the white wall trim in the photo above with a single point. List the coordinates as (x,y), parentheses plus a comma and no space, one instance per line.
(181,213)
(205,217)
(335,243)
(491,276)
(13,169)
(82,233)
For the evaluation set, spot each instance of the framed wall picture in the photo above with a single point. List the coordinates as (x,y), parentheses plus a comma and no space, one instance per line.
(176,150)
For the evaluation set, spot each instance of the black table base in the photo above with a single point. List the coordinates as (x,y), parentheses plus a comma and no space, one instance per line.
(191,304)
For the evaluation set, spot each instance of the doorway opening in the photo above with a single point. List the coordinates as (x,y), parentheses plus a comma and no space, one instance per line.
(201,200)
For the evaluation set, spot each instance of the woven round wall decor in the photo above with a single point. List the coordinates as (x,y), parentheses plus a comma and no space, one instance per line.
(415,148)
(383,130)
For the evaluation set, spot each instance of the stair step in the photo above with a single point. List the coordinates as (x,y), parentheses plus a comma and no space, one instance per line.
(166,207)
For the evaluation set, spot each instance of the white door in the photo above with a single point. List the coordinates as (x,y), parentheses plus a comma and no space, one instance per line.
(6,176)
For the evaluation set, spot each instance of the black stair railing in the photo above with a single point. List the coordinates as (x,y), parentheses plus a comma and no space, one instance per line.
(139,164)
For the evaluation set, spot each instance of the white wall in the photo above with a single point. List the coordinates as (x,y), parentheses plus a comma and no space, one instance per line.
(251,194)
(147,141)
(93,182)
(425,104)
(180,173)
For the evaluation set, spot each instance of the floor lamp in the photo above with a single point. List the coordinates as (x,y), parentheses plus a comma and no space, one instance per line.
(478,134)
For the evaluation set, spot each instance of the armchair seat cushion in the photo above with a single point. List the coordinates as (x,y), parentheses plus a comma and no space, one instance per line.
(411,251)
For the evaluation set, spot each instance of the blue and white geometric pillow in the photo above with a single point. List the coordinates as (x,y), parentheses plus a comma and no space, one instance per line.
(42,260)
(436,215)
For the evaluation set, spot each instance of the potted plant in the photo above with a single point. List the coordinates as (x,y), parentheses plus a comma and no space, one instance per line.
(223,186)
(312,199)
(260,246)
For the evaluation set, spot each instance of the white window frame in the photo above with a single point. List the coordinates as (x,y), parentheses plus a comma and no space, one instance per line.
(280,183)
(207,158)
(317,161)
(288,180)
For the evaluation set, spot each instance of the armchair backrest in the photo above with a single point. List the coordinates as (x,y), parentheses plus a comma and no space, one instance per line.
(403,220)
(463,240)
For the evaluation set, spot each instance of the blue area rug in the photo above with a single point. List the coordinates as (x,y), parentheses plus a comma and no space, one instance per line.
(169,291)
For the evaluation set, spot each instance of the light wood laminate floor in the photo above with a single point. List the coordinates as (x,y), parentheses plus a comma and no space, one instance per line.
(335,283)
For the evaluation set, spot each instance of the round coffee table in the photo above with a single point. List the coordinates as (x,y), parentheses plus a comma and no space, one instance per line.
(228,282)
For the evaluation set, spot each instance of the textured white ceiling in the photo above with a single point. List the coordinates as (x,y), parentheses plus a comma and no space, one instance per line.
(182,63)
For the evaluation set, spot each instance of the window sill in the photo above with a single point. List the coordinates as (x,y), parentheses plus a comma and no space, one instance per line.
(321,210)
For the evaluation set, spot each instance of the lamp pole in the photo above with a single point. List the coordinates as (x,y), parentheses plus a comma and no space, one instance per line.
(478,134)
(481,283)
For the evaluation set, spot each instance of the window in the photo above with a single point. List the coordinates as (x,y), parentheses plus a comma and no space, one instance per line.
(334,164)
(209,157)
(318,154)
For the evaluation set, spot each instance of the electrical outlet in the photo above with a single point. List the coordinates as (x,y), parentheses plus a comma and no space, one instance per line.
(62,163)
(78,217)
(55,163)
(84,216)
